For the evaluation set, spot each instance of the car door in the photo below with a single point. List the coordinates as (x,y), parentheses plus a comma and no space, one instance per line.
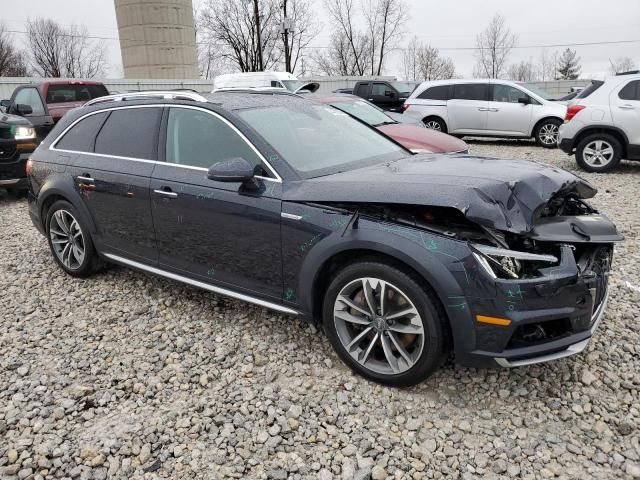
(384,95)
(218,232)
(506,115)
(112,172)
(625,109)
(39,115)
(468,108)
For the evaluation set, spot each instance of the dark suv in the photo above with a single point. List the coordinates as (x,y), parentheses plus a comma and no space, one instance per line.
(300,208)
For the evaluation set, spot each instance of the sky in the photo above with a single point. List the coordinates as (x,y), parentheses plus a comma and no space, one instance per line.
(448,25)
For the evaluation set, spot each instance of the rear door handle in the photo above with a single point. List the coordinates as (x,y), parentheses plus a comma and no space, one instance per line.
(166,193)
(626,106)
(85,178)
(483,109)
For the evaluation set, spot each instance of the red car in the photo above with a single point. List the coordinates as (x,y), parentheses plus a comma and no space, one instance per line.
(411,136)
(43,104)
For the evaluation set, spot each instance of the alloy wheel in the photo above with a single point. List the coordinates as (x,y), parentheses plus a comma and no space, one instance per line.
(598,153)
(67,239)
(379,326)
(433,125)
(548,134)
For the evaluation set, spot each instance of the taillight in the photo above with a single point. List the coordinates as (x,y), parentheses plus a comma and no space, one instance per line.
(29,167)
(572,111)
(405,107)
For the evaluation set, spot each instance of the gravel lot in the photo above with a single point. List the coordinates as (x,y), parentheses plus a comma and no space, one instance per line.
(128,376)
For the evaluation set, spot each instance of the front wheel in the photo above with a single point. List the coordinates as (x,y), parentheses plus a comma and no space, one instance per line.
(546,133)
(69,240)
(384,325)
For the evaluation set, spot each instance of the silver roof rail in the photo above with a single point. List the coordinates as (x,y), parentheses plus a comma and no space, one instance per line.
(173,95)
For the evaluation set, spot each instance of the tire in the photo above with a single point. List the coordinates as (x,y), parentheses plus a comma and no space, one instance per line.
(546,132)
(598,152)
(435,123)
(64,222)
(423,334)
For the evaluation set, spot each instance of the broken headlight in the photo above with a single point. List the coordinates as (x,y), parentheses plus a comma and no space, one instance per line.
(504,263)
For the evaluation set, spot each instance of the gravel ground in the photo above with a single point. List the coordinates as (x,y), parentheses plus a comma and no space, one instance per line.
(128,376)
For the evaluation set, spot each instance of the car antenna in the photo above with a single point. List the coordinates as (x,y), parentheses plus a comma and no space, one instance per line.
(353,223)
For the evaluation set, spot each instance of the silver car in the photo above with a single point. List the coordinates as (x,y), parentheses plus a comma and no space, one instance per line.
(487,108)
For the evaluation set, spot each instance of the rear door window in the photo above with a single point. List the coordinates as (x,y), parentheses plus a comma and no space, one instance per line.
(81,136)
(439,92)
(130,132)
(471,91)
(631,91)
(362,90)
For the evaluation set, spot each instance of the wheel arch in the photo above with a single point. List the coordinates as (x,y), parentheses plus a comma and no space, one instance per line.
(608,129)
(542,120)
(57,189)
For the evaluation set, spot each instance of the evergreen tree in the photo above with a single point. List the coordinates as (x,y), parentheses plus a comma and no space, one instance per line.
(568,66)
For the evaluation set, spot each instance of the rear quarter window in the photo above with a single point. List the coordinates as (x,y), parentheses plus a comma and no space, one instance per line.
(631,91)
(596,84)
(439,92)
(81,136)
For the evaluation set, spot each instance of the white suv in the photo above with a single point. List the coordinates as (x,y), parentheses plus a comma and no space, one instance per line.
(602,125)
(487,108)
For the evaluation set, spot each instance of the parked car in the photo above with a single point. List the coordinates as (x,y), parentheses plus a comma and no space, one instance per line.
(297,207)
(602,125)
(50,100)
(414,138)
(384,94)
(17,141)
(263,80)
(487,108)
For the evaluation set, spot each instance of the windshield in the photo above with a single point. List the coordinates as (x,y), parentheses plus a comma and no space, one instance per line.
(293,85)
(364,111)
(403,86)
(320,140)
(538,91)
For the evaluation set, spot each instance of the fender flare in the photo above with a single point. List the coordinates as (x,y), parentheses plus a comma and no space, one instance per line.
(63,186)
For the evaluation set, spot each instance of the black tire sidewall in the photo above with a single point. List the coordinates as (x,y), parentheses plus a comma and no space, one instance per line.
(90,254)
(434,348)
(613,141)
(549,121)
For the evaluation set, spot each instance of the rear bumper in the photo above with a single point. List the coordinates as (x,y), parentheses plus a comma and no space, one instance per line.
(566,145)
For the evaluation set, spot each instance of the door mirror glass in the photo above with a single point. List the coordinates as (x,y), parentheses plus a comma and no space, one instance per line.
(23,109)
(233,170)
(524,100)
(5,103)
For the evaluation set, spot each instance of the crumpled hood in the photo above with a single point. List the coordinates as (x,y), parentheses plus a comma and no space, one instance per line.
(501,194)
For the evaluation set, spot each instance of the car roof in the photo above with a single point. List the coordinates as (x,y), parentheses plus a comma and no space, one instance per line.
(243,99)
(333,97)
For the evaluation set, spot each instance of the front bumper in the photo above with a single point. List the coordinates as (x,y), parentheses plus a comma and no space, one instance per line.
(13,167)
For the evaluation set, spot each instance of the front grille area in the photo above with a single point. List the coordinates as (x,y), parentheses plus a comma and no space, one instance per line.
(595,266)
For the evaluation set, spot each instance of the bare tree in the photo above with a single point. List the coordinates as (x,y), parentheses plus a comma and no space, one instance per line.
(342,13)
(385,21)
(423,62)
(339,58)
(12,60)
(522,72)
(568,67)
(547,65)
(232,24)
(59,52)
(493,47)
(621,64)
(299,28)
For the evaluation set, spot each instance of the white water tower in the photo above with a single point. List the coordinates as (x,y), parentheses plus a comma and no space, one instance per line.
(157,38)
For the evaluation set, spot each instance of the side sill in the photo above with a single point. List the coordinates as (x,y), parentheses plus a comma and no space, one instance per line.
(204,286)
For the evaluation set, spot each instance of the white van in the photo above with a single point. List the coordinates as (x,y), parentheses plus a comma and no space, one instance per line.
(262,80)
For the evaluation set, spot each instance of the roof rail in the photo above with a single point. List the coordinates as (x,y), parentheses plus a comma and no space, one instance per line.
(173,95)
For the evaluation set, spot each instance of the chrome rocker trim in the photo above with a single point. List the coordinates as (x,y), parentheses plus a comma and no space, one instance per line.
(204,286)
(571,350)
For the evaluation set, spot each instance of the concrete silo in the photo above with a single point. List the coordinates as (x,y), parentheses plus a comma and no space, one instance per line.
(157,38)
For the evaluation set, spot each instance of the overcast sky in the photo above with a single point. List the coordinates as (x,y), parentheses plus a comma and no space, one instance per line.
(448,25)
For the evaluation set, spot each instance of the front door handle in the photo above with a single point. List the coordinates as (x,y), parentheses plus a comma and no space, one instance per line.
(494,109)
(166,193)
(627,106)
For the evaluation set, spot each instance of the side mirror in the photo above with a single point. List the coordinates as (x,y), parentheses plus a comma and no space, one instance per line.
(232,170)
(389,93)
(5,103)
(524,100)
(23,109)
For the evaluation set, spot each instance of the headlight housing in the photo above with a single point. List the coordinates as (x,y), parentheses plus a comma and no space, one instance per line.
(24,133)
(504,263)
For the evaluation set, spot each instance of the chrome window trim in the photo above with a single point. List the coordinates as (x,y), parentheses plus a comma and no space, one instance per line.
(53,148)
(203,285)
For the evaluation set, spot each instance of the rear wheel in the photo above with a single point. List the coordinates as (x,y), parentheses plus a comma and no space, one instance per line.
(546,133)
(599,152)
(435,123)
(69,240)
(383,324)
